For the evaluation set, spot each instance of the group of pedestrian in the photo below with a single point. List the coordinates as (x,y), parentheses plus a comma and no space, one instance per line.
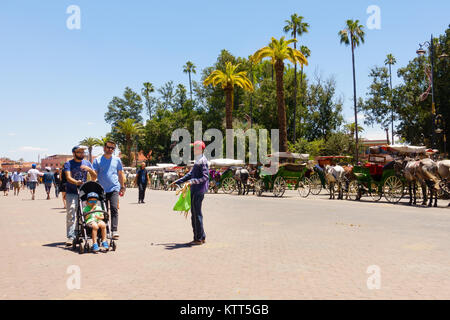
(108,170)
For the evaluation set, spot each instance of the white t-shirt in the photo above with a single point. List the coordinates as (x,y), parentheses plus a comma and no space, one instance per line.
(33,174)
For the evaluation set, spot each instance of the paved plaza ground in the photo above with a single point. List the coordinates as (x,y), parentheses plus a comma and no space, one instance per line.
(257,248)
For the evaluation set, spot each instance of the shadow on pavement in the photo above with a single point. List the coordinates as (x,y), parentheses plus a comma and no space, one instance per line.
(60,245)
(172,246)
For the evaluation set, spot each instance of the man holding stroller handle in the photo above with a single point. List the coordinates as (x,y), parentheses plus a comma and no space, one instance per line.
(94,220)
(76,171)
(198,178)
(110,176)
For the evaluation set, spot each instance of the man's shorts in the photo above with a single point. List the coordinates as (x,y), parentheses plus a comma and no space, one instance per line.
(16,184)
(48,186)
(32,185)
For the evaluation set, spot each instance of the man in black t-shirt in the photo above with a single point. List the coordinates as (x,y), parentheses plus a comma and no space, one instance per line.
(142,178)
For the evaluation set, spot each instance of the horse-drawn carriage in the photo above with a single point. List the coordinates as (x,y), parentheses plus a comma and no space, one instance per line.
(317,178)
(381,175)
(222,175)
(286,169)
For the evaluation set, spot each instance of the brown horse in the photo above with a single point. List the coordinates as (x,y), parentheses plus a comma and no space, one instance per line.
(424,171)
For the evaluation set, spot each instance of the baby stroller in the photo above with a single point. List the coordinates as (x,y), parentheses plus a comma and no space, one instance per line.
(82,232)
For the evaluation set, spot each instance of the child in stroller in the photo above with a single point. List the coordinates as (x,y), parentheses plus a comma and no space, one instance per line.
(92,216)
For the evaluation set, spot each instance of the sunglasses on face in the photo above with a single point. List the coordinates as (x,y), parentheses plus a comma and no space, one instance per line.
(110,148)
(92,201)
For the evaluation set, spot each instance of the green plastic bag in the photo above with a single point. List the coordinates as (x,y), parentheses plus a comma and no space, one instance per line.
(184,201)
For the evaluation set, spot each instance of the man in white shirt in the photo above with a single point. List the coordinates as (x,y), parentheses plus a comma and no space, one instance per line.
(33,174)
(17,179)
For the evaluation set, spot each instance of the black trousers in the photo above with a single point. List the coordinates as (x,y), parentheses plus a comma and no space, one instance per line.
(142,187)
(112,200)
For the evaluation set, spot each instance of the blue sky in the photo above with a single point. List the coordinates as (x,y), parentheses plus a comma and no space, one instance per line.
(55,83)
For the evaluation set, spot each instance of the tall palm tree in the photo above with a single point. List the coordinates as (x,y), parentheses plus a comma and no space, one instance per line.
(307,53)
(278,51)
(189,68)
(129,129)
(353,35)
(146,90)
(390,60)
(227,80)
(296,27)
(90,143)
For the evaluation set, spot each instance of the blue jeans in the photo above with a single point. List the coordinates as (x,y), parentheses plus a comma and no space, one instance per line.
(197,216)
(71,214)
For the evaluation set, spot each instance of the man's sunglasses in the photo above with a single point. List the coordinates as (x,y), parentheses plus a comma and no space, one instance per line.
(110,148)
(92,201)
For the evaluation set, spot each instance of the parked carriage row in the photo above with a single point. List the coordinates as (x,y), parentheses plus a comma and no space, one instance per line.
(383,175)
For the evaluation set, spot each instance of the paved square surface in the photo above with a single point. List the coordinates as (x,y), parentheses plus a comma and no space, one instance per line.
(257,248)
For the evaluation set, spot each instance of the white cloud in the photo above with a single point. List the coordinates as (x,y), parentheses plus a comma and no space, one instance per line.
(28,148)
(360,117)
(90,123)
(11,134)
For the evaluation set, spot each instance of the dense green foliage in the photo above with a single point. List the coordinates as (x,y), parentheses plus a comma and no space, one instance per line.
(320,127)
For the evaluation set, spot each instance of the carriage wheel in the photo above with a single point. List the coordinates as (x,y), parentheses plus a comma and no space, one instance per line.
(445,187)
(259,187)
(279,187)
(228,185)
(393,189)
(304,187)
(374,193)
(352,191)
(315,184)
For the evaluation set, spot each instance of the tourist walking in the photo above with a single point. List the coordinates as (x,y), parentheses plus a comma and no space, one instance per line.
(4,179)
(33,175)
(17,179)
(48,180)
(110,175)
(76,171)
(57,181)
(142,179)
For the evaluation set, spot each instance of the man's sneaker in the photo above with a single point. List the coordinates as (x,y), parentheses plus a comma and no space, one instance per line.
(95,248)
(105,245)
(115,235)
(69,242)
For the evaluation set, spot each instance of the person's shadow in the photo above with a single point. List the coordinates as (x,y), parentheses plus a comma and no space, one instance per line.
(60,245)
(173,246)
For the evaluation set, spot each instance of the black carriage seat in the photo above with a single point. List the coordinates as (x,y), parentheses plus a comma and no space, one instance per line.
(294,167)
(92,186)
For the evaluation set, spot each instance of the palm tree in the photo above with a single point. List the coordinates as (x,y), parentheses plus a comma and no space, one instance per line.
(227,80)
(296,27)
(146,90)
(353,35)
(129,129)
(90,143)
(278,51)
(307,53)
(189,68)
(390,60)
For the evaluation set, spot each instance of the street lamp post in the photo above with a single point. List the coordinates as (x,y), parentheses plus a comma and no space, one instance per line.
(421,52)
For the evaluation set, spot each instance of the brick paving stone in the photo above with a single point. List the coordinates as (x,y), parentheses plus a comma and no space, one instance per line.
(257,248)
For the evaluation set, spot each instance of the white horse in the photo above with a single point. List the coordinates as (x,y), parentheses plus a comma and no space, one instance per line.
(168,178)
(335,175)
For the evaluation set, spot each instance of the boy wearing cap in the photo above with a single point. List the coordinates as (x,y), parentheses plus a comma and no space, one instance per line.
(93,220)
(199,180)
